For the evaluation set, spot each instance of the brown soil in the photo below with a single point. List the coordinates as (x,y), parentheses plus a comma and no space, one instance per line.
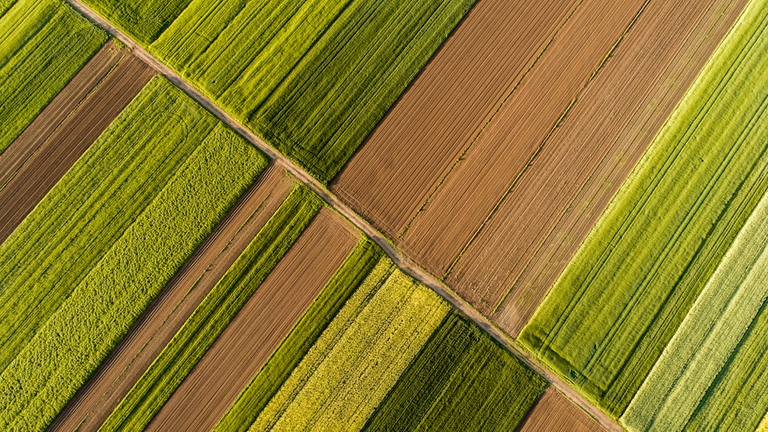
(248,341)
(444,109)
(554,412)
(515,205)
(96,400)
(64,130)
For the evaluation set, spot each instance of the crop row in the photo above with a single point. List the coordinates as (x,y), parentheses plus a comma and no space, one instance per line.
(214,313)
(660,315)
(43,43)
(394,353)
(106,240)
(312,77)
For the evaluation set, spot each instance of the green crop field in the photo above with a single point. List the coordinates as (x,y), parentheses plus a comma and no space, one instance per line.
(331,299)
(201,168)
(607,320)
(218,308)
(394,352)
(721,325)
(312,77)
(87,212)
(43,43)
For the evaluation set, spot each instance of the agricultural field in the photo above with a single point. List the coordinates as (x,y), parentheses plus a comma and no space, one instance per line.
(554,412)
(311,77)
(658,318)
(523,132)
(393,215)
(128,214)
(43,44)
(374,366)
(115,377)
(40,156)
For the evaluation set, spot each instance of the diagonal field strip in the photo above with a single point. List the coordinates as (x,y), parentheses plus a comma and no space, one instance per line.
(400,260)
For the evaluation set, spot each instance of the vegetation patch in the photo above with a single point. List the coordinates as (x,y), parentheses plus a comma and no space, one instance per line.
(607,320)
(113,293)
(43,44)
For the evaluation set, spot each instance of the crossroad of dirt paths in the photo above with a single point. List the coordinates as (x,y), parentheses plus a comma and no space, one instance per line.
(96,400)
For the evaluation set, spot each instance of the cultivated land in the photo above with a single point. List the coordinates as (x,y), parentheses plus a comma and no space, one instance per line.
(554,412)
(621,300)
(51,347)
(215,312)
(43,43)
(64,130)
(96,400)
(387,351)
(311,77)
(526,179)
(266,319)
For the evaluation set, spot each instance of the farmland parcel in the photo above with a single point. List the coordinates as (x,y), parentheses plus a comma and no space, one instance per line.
(620,301)
(43,43)
(312,77)
(106,239)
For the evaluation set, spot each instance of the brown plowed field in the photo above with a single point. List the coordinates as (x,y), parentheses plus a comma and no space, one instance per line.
(444,109)
(248,341)
(554,412)
(64,130)
(516,205)
(95,401)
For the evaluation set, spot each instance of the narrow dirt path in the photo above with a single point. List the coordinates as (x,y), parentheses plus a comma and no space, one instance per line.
(399,259)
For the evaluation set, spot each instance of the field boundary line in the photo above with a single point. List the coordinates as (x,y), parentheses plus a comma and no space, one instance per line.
(404,263)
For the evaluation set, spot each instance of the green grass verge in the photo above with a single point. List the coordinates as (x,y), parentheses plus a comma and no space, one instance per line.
(82,217)
(215,312)
(43,44)
(331,299)
(142,20)
(461,380)
(359,357)
(709,335)
(606,321)
(69,347)
(312,77)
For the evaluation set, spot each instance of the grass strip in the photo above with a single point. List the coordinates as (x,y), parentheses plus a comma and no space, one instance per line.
(607,320)
(303,336)
(96,201)
(215,312)
(43,44)
(708,336)
(99,313)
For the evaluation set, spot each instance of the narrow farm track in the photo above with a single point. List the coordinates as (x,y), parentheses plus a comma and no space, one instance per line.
(554,412)
(95,401)
(253,335)
(407,265)
(64,130)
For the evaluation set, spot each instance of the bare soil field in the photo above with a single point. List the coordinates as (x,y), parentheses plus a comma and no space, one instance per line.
(61,133)
(246,344)
(95,401)
(445,108)
(525,190)
(554,412)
